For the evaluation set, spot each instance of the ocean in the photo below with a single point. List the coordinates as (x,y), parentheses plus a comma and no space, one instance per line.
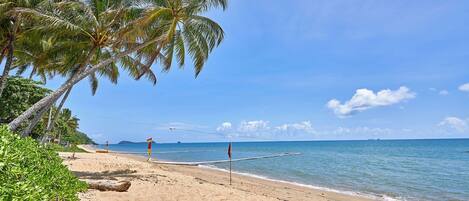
(388,169)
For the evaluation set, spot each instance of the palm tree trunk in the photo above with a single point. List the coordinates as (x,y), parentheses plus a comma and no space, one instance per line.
(148,65)
(2,53)
(56,115)
(50,124)
(46,135)
(32,73)
(13,125)
(34,121)
(7,67)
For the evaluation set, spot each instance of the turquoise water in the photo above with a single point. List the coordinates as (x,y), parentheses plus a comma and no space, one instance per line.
(400,169)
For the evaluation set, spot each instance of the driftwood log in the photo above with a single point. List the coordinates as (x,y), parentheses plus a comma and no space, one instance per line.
(108,185)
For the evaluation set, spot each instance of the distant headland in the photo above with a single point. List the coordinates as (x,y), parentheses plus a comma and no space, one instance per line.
(130,142)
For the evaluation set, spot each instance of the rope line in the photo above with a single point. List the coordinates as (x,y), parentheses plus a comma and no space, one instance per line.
(224,161)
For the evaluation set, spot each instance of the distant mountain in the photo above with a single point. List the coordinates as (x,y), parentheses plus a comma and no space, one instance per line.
(126,142)
(130,142)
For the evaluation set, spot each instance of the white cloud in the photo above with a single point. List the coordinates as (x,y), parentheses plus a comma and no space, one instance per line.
(443,92)
(455,123)
(464,87)
(364,130)
(364,99)
(304,126)
(253,126)
(262,130)
(225,126)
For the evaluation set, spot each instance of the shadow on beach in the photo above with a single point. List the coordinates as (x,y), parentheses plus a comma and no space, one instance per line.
(107,174)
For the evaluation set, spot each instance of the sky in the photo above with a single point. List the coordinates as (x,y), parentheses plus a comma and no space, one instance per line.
(302,70)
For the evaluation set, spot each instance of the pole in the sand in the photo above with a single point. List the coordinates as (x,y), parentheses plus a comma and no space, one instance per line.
(149,140)
(229,155)
(107,146)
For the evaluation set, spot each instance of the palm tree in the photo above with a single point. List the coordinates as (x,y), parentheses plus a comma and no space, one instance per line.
(186,31)
(46,58)
(91,27)
(12,26)
(41,55)
(66,124)
(158,31)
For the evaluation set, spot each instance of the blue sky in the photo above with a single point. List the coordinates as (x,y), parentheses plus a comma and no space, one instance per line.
(291,71)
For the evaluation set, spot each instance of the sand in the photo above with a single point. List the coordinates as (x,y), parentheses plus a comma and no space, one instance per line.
(172,182)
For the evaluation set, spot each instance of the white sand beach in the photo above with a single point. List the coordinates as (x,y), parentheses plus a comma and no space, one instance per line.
(151,181)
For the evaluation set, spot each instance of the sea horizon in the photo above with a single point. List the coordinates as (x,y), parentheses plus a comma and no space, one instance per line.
(319,140)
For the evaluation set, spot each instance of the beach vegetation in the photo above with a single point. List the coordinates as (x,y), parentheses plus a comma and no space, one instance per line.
(30,171)
(60,148)
(21,93)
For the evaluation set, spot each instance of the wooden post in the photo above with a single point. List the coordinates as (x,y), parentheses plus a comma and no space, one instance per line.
(230,170)
(229,155)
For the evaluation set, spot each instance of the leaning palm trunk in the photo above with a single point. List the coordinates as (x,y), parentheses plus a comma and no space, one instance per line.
(46,135)
(33,71)
(38,116)
(6,69)
(56,115)
(2,53)
(34,121)
(13,125)
(82,67)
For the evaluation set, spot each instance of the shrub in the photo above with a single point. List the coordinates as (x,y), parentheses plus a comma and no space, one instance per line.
(60,148)
(30,172)
(77,137)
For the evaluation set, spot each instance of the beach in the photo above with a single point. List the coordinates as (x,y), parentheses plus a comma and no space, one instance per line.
(234,100)
(172,182)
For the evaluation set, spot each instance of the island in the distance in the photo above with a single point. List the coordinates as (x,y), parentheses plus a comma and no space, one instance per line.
(130,142)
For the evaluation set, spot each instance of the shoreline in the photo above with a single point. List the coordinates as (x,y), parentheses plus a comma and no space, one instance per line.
(245,186)
(261,177)
(345,192)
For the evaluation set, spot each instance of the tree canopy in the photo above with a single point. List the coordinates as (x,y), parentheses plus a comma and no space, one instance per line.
(89,39)
(21,93)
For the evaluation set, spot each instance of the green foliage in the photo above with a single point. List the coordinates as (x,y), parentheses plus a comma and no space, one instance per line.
(78,137)
(21,93)
(60,148)
(18,96)
(66,123)
(31,172)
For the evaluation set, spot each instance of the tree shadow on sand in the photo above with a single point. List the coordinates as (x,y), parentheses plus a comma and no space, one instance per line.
(106,174)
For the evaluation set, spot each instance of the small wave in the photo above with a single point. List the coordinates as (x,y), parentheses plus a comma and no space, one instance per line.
(168,152)
(352,193)
(160,152)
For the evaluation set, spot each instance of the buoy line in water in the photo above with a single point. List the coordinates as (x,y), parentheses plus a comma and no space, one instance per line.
(161,152)
(223,161)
